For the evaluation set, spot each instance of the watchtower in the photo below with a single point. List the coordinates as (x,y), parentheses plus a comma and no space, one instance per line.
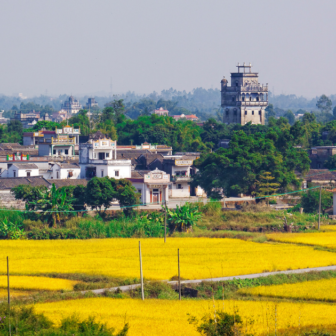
(246,99)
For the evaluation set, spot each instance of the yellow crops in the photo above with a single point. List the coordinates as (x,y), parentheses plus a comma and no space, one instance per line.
(167,317)
(38,283)
(13,293)
(200,257)
(326,239)
(323,290)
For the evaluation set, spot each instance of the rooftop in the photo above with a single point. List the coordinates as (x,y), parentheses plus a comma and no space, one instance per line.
(34,181)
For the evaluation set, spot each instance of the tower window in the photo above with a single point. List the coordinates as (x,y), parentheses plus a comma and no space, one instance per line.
(235,111)
(243,98)
(227,112)
(260,112)
(233,98)
(250,98)
(245,112)
(252,112)
(236,83)
(257,98)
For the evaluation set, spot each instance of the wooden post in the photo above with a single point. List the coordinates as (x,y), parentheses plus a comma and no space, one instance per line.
(8,292)
(165,222)
(141,276)
(179,273)
(319,219)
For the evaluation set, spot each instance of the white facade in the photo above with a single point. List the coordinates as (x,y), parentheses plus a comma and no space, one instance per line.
(99,158)
(22,170)
(64,171)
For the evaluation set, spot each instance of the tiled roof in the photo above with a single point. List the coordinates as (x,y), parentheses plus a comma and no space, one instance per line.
(68,182)
(11,182)
(320,175)
(68,165)
(25,165)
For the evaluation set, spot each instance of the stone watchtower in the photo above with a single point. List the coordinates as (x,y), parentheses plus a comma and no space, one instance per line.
(245,100)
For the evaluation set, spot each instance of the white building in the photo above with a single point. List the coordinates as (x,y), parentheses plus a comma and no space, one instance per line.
(152,186)
(71,106)
(99,158)
(64,171)
(181,170)
(23,170)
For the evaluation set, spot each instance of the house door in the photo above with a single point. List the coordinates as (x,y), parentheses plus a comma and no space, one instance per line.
(156,196)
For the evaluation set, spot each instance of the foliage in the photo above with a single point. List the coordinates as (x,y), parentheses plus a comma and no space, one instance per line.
(11,230)
(218,324)
(310,200)
(330,163)
(290,116)
(53,203)
(237,169)
(324,104)
(183,217)
(265,186)
(127,195)
(100,193)
(29,194)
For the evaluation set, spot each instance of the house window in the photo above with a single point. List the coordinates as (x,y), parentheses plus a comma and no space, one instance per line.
(101,156)
(14,173)
(28,174)
(57,175)
(54,151)
(252,112)
(107,155)
(116,173)
(66,151)
(139,191)
(245,112)
(70,173)
(95,155)
(259,112)
(102,173)
(179,186)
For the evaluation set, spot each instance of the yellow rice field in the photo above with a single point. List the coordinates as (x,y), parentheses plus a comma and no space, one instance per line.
(37,283)
(200,257)
(322,290)
(325,239)
(167,317)
(13,293)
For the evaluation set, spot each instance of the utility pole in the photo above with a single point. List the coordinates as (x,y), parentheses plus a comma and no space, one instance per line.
(319,219)
(179,273)
(141,276)
(165,222)
(8,292)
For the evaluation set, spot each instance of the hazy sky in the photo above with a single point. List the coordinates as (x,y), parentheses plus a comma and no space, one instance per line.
(77,46)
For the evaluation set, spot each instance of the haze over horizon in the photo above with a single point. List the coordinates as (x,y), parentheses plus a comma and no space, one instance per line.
(78,46)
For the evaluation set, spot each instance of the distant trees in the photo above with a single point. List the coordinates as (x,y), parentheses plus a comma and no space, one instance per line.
(324,104)
(237,169)
(310,200)
(289,115)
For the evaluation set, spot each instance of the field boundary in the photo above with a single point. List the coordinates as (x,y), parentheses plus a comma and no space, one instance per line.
(245,276)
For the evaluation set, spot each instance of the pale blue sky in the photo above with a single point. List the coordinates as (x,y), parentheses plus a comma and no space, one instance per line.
(76,46)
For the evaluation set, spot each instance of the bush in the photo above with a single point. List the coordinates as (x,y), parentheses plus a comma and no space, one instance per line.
(310,200)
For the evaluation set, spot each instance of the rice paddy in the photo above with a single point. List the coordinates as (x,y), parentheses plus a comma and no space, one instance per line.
(326,239)
(321,290)
(167,317)
(200,257)
(37,283)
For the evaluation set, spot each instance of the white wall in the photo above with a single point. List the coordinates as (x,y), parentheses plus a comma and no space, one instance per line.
(21,172)
(63,173)
(184,192)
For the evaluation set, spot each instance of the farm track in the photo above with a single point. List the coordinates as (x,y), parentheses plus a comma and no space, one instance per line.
(247,276)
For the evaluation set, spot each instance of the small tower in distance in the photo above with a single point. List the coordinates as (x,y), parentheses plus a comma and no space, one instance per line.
(246,99)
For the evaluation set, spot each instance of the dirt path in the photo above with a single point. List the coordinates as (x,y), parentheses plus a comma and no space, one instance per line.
(247,276)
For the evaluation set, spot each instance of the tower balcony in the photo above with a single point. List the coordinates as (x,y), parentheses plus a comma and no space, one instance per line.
(251,103)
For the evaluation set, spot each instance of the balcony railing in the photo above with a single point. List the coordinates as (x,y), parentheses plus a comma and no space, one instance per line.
(180,178)
(60,141)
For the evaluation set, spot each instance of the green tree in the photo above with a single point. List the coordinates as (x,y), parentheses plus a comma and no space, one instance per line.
(29,194)
(334,112)
(15,126)
(270,112)
(290,116)
(183,217)
(310,200)
(100,193)
(127,195)
(54,204)
(324,104)
(218,324)
(266,186)
(331,162)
